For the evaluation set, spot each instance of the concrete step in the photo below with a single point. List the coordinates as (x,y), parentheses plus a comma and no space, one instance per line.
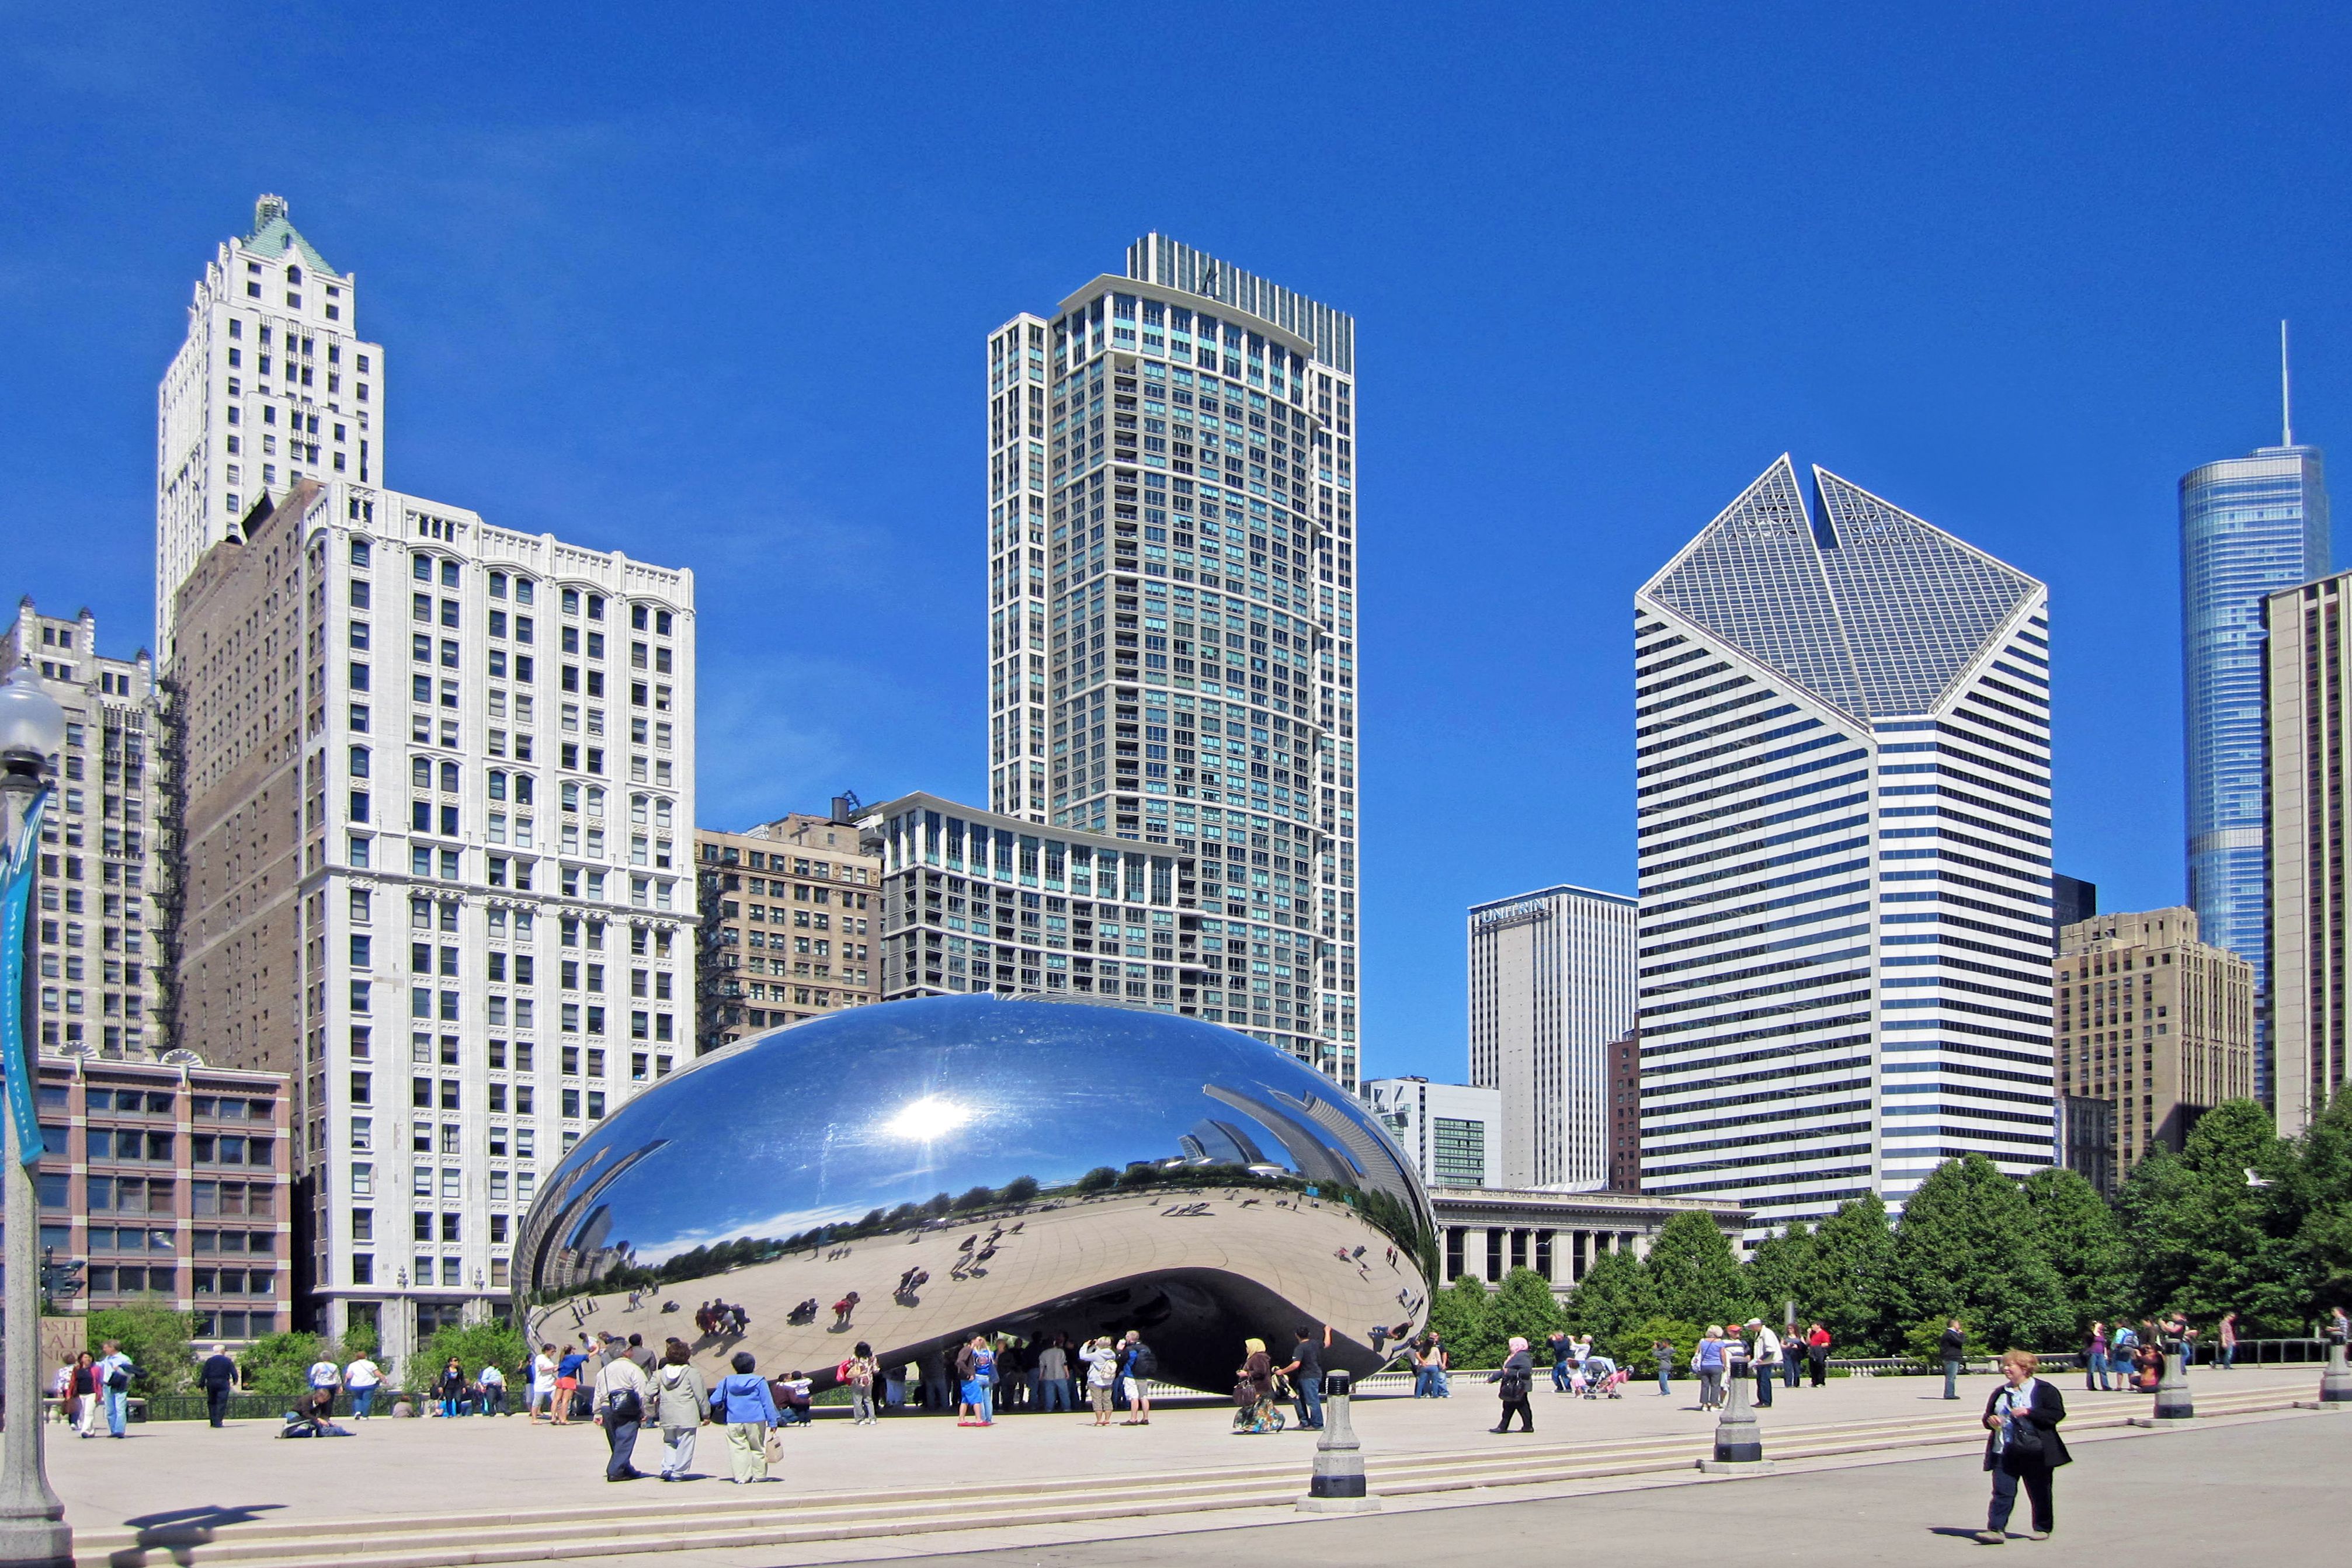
(689,1521)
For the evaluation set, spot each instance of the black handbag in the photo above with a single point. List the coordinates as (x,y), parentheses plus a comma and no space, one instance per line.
(2024,1444)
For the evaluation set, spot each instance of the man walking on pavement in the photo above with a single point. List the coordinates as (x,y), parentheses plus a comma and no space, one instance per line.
(620,1407)
(218,1375)
(114,1374)
(1953,1347)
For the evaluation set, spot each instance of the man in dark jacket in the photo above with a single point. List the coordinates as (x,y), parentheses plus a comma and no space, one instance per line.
(2022,1446)
(218,1375)
(1953,1348)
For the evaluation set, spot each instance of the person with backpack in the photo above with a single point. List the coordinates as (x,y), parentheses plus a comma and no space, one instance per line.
(1102,1371)
(621,1390)
(744,1405)
(857,1374)
(1515,1376)
(1137,1363)
(679,1405)
(114,1372)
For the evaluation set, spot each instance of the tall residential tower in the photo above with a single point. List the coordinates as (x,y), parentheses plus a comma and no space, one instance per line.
(1172,608)
(1842,754)
(1551,991)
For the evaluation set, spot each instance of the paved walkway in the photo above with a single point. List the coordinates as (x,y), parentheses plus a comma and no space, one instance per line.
(2276,1491)
(410,1468)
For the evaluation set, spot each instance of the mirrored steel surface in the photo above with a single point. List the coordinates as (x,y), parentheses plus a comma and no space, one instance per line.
(967,1163)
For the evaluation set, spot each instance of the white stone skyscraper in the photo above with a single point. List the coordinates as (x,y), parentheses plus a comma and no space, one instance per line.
(1551,989)
(434,795)
(273,384)
(1173,616)
(1842,762)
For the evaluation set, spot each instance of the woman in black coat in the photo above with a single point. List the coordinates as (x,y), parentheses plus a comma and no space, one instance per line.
(2023,1446)
(1516,1375)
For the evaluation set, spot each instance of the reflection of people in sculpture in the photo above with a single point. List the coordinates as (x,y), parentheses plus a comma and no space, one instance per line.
(842,1310)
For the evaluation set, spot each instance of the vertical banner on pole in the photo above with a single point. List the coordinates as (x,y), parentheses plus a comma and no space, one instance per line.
(15,896)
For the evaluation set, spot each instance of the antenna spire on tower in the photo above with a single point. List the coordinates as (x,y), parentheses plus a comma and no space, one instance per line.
(2286,396)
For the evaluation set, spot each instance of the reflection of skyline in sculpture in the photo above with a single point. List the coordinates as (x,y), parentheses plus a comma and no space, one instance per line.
(1114,1165)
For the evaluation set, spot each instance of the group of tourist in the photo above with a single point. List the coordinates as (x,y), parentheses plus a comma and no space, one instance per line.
(1724,1352)
(717,1317)
(2131,1357)
(1262,1379)
(93,1391)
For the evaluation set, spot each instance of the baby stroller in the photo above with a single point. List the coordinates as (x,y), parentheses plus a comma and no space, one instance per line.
(1603,1378)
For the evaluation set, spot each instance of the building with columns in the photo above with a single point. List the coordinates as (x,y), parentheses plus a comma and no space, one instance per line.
(1485,1233)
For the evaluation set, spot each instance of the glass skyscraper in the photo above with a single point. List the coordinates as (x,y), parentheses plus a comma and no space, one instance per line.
(1841,751)
(2249,527)
(1171,579)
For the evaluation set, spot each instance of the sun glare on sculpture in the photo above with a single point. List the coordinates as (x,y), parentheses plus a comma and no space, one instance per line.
(927,1119)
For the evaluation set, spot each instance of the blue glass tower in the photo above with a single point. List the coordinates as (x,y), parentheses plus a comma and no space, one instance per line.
(2249,527)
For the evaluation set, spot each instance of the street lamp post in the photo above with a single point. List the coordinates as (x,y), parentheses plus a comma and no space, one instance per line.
(33,1528)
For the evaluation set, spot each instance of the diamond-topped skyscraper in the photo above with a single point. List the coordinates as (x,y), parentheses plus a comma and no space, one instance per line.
(1172,632)
(1843,755)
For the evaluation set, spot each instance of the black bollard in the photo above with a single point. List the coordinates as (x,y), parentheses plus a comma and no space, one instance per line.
(1337,1485)
(1738,1439)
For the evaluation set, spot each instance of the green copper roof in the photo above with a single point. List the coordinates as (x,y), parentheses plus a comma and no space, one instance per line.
(273,235)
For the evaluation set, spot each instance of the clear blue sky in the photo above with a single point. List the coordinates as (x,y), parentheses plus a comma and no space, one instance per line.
(710,287)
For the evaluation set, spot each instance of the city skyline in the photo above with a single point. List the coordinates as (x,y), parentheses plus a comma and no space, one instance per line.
(2025,375)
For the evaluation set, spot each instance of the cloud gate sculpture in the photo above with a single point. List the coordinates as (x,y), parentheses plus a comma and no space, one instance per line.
(961,1163)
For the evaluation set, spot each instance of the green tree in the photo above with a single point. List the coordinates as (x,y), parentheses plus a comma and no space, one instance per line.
(1851,1272)
(475,1345)
(1634,1349)
(1523,1304)
(155,1337)
(1968,1246)
(278,1367)
(1783,1269)
(2321,1247)
(1613,1296)
(2204,1241)
(2085,1243)
(1462,1315)
(1693,1273)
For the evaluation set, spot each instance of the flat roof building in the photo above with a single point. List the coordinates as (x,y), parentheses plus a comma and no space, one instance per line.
(2154,1022)
(102,977)
(788,910)
(1449,1129)
(1551,989)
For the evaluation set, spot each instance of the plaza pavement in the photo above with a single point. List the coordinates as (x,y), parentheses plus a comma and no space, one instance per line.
(393,1474)
(2276,1491)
